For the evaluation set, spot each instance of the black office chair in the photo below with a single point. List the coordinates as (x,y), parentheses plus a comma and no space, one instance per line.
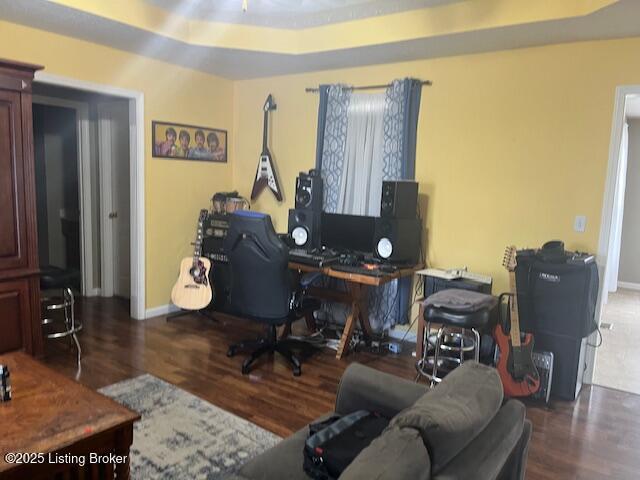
(262,286)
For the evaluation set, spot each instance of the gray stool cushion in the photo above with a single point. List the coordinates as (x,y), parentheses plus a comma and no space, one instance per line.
(461,301)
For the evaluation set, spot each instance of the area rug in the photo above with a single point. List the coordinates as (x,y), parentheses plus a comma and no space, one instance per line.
(182,436)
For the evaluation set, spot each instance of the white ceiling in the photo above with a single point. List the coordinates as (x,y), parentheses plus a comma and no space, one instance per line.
(291,13)
(616,21)
(632,106)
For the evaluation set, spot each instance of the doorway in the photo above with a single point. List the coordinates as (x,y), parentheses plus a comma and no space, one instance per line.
(57,189)
(616,363)
(83,148)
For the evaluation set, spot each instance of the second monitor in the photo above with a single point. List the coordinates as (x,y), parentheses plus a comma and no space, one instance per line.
(348,232)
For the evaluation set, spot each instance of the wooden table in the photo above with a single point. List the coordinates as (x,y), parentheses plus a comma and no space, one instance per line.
(355,296)
(59,418)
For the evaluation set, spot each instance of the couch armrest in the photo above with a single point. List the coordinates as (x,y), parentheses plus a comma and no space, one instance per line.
(363,388)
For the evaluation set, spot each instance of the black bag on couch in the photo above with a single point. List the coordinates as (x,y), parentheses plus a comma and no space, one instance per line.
(334,443)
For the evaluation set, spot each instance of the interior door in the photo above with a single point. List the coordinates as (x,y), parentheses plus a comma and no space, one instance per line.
(115,167)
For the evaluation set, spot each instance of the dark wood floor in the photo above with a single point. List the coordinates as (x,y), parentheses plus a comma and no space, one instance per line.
(596,437)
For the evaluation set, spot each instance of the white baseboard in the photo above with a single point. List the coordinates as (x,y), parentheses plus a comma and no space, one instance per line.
(398,334)
(629,285)
(161,310)
(94,292)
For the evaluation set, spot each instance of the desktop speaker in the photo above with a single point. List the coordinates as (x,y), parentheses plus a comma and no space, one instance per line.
(304,227)
(399,199)
(309,191)
(398,239)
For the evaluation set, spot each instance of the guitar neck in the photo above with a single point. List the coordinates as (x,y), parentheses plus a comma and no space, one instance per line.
(265,130)
(513,310)
(197,250)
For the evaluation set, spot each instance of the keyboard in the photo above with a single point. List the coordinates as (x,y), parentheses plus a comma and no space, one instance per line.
(379,271)
(314,259)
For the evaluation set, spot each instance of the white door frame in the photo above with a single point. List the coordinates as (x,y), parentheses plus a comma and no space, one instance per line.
(136,147)
(106,202)
(608,204)
(84,185)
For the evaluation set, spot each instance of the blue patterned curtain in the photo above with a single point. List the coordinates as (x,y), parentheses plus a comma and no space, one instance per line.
(389,303)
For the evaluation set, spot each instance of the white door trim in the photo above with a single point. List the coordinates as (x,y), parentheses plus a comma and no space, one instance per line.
(136,145)
(84,184)
(607,217)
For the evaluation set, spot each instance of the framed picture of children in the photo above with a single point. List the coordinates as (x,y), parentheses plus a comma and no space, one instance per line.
(188,142)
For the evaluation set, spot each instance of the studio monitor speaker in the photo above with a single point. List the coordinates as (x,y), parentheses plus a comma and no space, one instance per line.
(399,199)
(398,239)
(309,191)
(304,227)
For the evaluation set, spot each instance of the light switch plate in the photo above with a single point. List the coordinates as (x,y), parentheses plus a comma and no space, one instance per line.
(580,223)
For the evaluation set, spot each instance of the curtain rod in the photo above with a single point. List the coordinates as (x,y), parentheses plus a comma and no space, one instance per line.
(365,87)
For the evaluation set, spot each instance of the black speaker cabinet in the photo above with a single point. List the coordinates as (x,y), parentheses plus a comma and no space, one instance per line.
(304,227)
(568,363)
(398,239)
(399,199)
(220,278)
(309,191)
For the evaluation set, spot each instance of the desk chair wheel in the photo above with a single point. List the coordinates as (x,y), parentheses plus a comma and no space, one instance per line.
(297,371)
(231,352)
(246,366)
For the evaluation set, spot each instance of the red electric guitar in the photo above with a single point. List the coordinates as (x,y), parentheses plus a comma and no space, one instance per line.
(519,375)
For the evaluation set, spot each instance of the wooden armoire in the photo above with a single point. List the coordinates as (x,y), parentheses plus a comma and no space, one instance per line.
(20,326)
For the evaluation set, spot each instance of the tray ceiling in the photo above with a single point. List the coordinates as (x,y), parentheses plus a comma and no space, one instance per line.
(291,13)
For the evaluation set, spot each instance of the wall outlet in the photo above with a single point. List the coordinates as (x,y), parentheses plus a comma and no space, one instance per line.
(580,223)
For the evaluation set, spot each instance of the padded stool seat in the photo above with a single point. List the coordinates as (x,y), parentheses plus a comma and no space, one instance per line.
(460,314)
(55,277)
(58,311)
(477,320)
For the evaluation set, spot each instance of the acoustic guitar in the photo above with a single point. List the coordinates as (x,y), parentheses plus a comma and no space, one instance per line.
(266,175)
(192,290)
(519,375)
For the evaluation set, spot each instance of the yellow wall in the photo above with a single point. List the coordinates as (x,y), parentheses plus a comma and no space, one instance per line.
(175,190)
(511,145)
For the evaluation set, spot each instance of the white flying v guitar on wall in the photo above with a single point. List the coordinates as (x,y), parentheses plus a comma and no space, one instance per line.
(266,175)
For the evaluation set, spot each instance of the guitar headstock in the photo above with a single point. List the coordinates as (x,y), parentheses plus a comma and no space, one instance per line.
(509,259)
(269,104)
(204,213)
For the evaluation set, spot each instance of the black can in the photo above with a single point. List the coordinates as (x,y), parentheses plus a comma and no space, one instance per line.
(5,384)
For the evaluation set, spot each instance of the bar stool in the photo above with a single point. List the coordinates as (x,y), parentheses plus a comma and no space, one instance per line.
(54,278)
(461,315)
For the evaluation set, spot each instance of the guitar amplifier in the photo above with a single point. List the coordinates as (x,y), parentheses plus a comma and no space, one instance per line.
(216,227)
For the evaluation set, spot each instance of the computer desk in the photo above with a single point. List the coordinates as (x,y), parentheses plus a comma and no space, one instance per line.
(355,296)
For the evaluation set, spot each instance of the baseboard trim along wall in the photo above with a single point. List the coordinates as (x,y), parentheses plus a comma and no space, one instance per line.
(629,285)
(161,310)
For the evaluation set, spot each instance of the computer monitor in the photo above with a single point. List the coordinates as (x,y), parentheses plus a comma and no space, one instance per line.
(348,232)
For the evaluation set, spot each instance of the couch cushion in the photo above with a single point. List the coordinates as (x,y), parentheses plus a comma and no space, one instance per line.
(284,461)
(497,452)
(453,413)
(397,453)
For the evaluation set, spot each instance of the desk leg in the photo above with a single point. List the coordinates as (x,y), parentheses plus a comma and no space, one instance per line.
(363,302)
(420,337)
(124,439)
(345,340)
(359,312)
